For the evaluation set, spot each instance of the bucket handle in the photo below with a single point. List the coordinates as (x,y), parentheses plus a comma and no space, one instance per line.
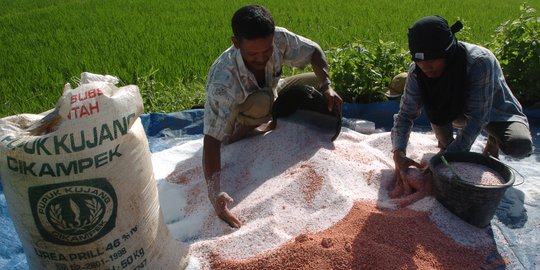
(521,175)
(511,168)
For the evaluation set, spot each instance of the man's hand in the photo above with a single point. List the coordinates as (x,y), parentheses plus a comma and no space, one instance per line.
(333,99)
(491,148)
(212,169)
(220,203)
(402,163)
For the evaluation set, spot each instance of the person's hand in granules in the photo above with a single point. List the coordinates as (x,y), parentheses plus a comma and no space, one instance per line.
(220,203)
(420,182)
(402,163)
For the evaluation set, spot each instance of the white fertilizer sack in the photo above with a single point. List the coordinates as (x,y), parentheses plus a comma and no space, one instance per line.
(80,188)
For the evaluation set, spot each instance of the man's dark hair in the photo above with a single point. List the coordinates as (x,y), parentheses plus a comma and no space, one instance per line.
(252,22)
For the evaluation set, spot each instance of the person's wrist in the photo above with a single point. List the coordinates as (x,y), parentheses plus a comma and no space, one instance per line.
(399,153)
(325,85)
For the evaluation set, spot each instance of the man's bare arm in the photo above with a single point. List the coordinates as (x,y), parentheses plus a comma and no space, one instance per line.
(212,170)
(320,68)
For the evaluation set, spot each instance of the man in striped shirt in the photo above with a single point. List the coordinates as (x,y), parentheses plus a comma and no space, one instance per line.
(243,83)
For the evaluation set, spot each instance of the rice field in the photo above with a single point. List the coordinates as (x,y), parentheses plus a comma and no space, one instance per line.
(167,46)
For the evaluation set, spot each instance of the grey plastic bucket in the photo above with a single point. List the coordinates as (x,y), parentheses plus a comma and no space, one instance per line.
(475,204)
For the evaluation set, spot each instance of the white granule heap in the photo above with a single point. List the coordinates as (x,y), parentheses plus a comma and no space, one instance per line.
(289,181)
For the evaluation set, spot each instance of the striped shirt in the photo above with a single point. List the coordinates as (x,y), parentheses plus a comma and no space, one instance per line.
(490,100)
(229,82)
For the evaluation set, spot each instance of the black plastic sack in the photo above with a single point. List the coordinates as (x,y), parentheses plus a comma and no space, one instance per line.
(305,97)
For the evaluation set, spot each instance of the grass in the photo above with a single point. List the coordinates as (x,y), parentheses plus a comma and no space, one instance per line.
(167,46)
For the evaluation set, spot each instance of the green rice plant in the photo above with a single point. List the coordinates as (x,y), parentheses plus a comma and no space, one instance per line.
(516,44)
(46,43)
(361,70)
(160,97)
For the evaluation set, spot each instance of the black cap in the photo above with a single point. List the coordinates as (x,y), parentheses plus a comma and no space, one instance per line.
(431,38)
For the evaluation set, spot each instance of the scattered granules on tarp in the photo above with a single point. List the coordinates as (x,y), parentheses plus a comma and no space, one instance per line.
(290,193)
(370,238)
(194,197)
(313,181)
(183,174)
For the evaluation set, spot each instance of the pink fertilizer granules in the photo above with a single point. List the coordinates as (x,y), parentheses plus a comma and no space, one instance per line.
(308,203)
(369,238)
(472,173)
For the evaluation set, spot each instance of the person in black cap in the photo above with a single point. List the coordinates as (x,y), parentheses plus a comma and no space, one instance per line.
(459,85)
